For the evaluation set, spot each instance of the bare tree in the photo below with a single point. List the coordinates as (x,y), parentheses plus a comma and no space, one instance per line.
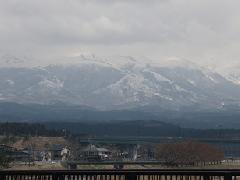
(188,153)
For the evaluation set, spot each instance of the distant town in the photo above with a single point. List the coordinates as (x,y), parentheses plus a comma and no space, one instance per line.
(45,148)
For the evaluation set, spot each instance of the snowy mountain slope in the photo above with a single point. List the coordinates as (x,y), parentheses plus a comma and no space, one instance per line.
(231,72)
(119,82)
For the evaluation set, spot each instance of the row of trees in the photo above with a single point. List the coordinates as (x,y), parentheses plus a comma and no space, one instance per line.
(28,129)
(189,153)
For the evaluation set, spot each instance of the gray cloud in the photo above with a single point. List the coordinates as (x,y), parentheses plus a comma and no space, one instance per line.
(199,30)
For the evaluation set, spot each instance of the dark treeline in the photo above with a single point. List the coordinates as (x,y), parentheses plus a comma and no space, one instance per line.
(118,128)
(211,133)
(28,129)
(142,128)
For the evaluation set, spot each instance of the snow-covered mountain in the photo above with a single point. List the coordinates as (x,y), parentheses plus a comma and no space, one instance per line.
(231,72)
(119,82)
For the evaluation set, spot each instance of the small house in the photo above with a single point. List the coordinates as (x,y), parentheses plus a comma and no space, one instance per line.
(55,151)
(91,152)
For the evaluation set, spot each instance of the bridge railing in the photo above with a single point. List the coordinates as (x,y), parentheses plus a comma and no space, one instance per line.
(143,174)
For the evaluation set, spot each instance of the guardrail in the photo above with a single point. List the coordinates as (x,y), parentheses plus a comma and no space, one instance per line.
(141,174)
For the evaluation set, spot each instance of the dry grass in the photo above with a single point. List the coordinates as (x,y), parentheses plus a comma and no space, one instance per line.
(37,166)
(39,142)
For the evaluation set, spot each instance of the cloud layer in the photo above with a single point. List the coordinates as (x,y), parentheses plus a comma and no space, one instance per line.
(203,31)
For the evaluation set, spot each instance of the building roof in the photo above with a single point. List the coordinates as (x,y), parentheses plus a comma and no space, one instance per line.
(56,147)
(93,148)
(103,149)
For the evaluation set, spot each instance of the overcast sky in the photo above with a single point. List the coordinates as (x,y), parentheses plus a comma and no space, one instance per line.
(205,31)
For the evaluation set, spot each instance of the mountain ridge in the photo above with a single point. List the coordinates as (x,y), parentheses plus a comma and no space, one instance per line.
(123,82)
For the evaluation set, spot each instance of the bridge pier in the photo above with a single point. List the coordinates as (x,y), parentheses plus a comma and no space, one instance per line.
(118,166)
(72,166)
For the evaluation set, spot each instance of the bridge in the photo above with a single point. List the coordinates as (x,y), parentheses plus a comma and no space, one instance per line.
(140,174)
(116,164)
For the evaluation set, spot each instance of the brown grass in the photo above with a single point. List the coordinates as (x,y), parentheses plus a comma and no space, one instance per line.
(37,166)
(39,142)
